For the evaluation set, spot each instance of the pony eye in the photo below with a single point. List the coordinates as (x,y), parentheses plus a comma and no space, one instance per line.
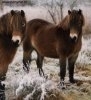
(79,23)
(23,24)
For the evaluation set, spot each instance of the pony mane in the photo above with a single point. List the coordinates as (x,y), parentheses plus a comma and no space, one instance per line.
(64,24)
(5,23)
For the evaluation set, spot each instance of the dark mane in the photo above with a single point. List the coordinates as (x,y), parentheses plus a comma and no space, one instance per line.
(4,23)
(64,23)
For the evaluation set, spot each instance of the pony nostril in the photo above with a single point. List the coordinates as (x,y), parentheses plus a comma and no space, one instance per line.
(74,38)
(17,41)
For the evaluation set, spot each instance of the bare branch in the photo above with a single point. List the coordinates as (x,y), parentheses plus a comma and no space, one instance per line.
(1,5)
(73,4)
(52,16)
(55,10)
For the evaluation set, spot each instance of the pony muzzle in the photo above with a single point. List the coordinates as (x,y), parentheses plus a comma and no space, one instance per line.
(73,36)
(16,39)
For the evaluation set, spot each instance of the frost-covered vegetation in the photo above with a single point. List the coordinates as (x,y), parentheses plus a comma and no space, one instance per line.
(30,86)
(33,87)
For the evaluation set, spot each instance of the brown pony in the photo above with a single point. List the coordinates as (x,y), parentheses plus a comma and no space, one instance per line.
(12,29)
(61,41)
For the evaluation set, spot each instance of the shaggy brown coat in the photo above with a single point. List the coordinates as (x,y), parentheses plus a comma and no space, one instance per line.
(11,24)
(61,41)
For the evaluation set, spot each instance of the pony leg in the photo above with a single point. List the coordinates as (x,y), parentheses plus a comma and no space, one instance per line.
(2,91)
(2,85)
(27,50)
(27,60)
(62,71)
(62,68)
(71,63)
(39,63)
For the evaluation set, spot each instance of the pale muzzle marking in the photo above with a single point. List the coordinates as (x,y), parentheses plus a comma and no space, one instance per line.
(16,38)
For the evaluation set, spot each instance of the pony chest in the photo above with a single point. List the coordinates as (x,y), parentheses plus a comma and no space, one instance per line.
(67,49)
(6,56)
(7,50)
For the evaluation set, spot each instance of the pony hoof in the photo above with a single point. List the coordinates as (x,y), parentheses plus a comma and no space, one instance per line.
(62,85)
(46,76)
(73,81)
(26,69)
(63,88)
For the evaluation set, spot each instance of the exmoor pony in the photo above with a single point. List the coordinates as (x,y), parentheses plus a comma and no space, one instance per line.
(12,29)
(61,41)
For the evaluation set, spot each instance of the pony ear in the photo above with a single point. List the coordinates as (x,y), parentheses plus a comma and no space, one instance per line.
(22,13)
(69,12)
(12,12)
(80,11)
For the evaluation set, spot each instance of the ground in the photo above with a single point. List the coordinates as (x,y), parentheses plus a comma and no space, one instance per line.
(28,84)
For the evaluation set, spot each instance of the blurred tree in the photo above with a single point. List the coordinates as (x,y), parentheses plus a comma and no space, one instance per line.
(75,3)
(55,10)
(1,5)
(60,4)
(87,2)
(72,3)
(31,2)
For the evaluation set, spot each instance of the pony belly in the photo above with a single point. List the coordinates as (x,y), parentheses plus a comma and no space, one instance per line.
(50,55)
(46,49)
(47,53)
